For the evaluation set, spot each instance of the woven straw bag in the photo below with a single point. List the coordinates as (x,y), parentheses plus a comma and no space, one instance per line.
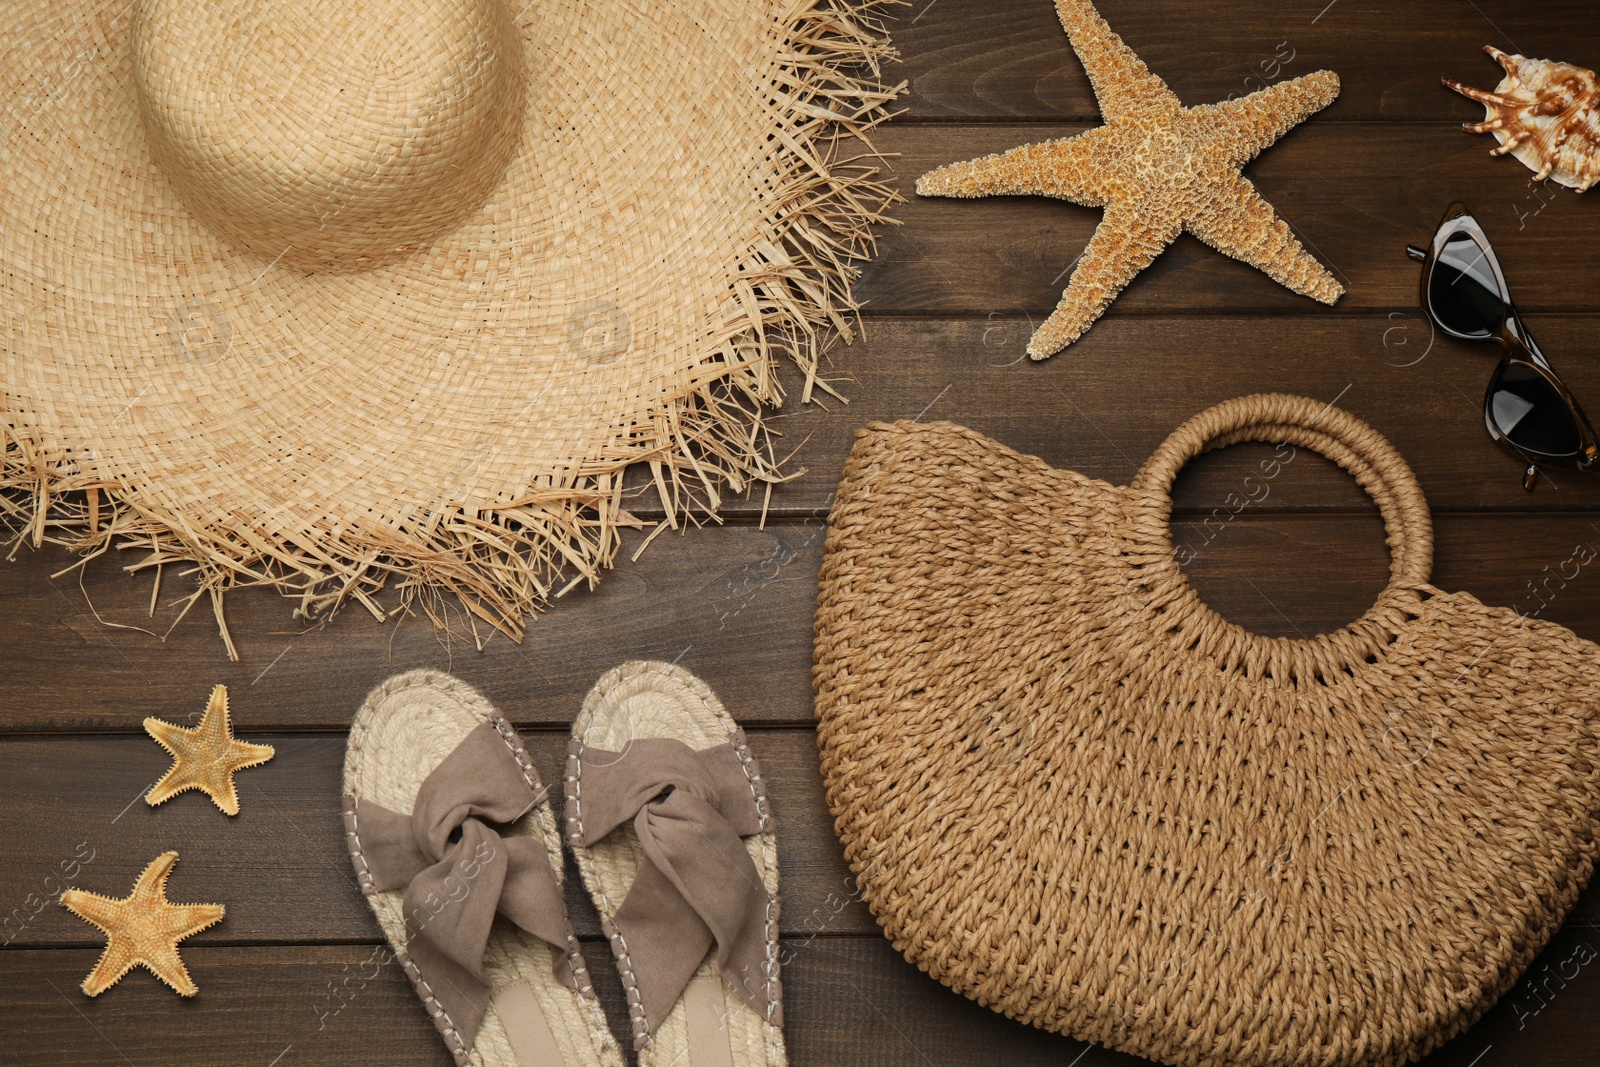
(1075,794)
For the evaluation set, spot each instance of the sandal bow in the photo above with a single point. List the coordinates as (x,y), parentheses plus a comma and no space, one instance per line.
(458,871)
(697,884)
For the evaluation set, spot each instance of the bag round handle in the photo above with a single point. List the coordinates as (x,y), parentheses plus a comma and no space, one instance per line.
(1331,432)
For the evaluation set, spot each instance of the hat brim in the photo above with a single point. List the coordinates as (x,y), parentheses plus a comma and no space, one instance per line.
(458,418)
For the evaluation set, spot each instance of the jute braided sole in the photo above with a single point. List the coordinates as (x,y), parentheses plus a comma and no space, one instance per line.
(404,729)
(634,702)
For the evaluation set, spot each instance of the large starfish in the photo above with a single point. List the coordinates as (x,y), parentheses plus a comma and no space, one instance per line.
(1158,169)
(142,929)
(204,757)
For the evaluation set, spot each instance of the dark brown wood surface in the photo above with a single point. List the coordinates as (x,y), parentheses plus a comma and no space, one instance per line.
(296,976)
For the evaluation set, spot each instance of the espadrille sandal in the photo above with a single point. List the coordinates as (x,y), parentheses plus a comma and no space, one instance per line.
(447,826)
(661,788)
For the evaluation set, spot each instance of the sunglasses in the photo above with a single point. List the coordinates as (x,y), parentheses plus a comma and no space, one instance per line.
(1526,409)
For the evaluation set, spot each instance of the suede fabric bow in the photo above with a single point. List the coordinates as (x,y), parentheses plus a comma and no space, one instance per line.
(458,871)
(697,882)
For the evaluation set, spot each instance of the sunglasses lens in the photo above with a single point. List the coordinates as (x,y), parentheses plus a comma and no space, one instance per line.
(1463,292)
(1531,414)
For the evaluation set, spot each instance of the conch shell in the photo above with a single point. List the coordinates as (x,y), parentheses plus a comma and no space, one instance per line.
(1546,114)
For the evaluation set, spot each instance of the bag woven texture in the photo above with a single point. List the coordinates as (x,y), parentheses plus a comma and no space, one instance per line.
(1075,794)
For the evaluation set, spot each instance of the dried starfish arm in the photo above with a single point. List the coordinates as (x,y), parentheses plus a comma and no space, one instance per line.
(143,928)
(120,956)
(116,961)
(1239,223)
(1067,168)
(175,739)
(1249,125)
(163,958)
(1123,86)
(1130,237)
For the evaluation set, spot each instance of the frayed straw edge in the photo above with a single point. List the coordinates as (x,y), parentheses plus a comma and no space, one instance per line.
(505,563)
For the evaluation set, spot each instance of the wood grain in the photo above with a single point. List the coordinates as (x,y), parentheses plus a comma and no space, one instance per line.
(1104,405)
(1007,60)
(1100,408)
(848,1002)
(280,866)
(294,976)
(733,604)
(1355,193)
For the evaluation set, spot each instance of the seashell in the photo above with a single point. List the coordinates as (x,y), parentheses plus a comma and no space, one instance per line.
(1547,114)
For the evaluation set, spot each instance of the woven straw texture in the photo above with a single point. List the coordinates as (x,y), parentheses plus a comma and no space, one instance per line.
(324,296)
(406,727)
(1077,795)
(633,702)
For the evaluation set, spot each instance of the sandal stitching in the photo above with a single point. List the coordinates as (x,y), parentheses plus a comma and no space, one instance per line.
(619,946)
(441,1019)
(637,1020)
(586,995)
(758,792)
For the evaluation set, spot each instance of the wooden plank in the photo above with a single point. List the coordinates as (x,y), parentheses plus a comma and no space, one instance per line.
(1292,577)
(280,866)
(1355,193)
(733,604)
(1005,60)
(1105,404)
(305,1005)
(706,601)
(847,1001)
(855,1002)
(1100,409)
(294,975)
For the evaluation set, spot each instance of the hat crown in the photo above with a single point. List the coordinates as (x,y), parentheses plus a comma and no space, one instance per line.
(330,136)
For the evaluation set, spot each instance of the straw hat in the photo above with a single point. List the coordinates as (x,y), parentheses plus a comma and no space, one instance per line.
(318,295)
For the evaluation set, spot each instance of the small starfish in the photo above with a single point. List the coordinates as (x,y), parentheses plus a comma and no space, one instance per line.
(143,928)
(1158,169)
(205,756)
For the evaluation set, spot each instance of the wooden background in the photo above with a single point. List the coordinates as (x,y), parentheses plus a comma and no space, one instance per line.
(289,977)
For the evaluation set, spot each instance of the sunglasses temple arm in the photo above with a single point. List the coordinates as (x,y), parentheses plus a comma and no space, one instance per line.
(1418,254)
